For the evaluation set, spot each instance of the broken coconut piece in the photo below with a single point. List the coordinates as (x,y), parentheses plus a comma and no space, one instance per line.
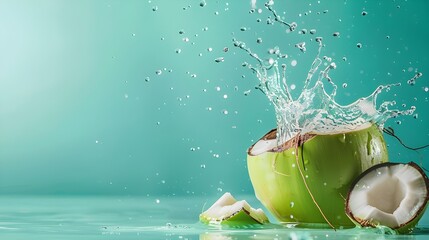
(389,194)
(227,210)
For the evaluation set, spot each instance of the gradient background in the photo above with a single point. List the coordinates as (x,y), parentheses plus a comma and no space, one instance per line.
(77,116)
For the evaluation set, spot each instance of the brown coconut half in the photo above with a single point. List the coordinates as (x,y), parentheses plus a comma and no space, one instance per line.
(389,194)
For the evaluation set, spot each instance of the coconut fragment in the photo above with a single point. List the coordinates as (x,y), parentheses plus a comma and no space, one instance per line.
(389,194)
(227,210)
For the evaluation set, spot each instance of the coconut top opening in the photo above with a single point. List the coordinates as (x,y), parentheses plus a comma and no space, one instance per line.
(391,195)
(269,142)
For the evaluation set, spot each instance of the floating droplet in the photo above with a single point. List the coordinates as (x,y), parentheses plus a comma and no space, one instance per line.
(359,45)
(243,29)
(155,8)
(259,40)
(344,85)
(203,3)
(293,63)
(178,50)
(364,13)
(158,72)
(157,201)
(336,34)
(147,79)
(219,59)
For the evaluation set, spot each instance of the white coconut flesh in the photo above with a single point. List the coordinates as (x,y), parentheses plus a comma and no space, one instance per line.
(227,207)
(390,195)
(267,144)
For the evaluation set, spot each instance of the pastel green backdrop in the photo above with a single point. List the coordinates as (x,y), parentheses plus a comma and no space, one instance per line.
(83,111)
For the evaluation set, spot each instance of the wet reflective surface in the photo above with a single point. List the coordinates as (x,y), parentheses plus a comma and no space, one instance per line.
(148,218)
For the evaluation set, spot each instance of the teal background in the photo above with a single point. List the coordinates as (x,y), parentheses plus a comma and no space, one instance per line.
(77,116)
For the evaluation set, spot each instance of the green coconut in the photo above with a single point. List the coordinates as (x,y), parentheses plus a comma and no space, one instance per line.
(305,181)
(394,195)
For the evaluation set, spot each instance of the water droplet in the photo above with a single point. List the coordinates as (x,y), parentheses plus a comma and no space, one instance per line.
(291,216)
(203,166)
(178,50)
(219,59)
(192,149)
(225,112)
(147,79)
(291,204)
(243,29)
(217,88)
(158,123)
(96,141)
(336,34)
(359,45)
(246,93)
(219,189)
(205,29)
(203,3)
(155,8)
(364,13)
(344,85)
(225,96)
(157,201)
(259,40)
(292,86)
(193,75)
(209,49)
(293,63)
(426,89)
(301,46)
(312,31)
(158,72)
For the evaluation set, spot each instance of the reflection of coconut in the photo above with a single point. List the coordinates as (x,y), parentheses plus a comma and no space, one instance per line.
(389,194)
(306,179)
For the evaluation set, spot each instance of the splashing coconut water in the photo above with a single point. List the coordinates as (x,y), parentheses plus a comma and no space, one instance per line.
(302,170)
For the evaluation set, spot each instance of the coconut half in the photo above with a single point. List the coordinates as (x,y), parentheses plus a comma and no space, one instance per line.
(305,181)
(227,210)
(389,194)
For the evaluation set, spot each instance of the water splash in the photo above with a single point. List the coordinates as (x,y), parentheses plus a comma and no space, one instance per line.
(315,110)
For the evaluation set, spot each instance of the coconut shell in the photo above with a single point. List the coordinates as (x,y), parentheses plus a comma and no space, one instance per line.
(404,228)
(329,164)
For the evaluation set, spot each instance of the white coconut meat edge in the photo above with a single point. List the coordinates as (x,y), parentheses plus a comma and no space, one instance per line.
(391,195)
(264,145)
(227,206)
